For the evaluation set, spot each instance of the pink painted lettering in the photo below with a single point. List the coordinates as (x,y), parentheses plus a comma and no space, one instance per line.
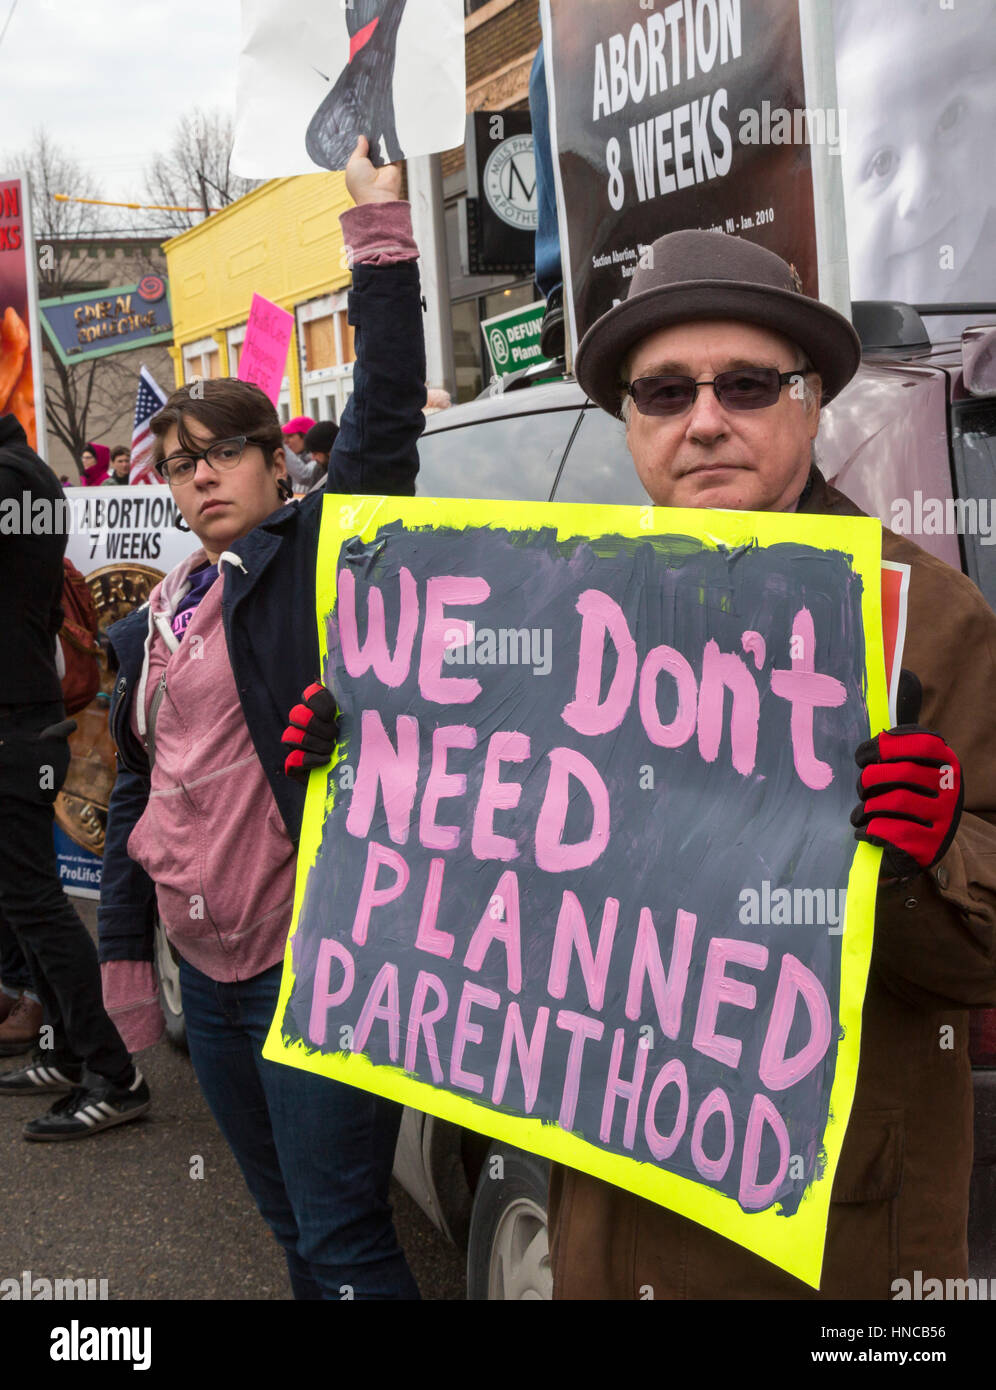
(571,935)
(437,638)
(500,922)
(754,1196)
(795,980)
(393,770)
(552,855)
(601,617)
(713,1169)
(389,669)
(682,726)
(671,1074)
(668,991)
(370,895)
(323,997)
(618,1089)
(723,671)
(581,1028)
(805,691)
(441,785)
(466,1033)
(495,795)
(421,1021)
(718,988)
(528,1051)
(382,1004)
(428,938)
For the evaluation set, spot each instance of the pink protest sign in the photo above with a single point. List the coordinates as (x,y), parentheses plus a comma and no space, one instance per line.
(264,351)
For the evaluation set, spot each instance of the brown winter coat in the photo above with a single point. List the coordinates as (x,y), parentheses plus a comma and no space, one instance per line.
(900,1197)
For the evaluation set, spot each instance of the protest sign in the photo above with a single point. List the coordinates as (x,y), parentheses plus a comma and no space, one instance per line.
(123,541)
(512,339)
(314,76)
(695,116)
(263,359)
(582,875)
(921,223)
(22,392)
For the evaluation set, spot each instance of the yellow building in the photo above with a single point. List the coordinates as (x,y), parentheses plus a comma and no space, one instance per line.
(282,241)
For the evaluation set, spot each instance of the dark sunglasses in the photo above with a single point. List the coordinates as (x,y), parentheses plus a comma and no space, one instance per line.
(746,388)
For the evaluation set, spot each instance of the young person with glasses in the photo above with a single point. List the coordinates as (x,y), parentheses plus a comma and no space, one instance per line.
(207,673)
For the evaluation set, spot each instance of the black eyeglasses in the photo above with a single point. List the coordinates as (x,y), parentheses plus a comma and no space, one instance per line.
(222,455)
(745,388)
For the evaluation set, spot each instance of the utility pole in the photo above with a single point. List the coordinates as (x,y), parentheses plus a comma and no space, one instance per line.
(425,192)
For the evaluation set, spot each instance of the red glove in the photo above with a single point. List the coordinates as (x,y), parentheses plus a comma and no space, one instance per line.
(313,732)
(911,797)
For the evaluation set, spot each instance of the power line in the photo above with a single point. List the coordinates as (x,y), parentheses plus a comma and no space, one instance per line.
(10,16)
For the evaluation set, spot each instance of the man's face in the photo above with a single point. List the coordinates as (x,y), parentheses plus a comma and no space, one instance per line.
(294,442)
(711,456)
(122,465)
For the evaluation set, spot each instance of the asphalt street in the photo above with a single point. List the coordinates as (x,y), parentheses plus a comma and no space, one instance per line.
(128,1205)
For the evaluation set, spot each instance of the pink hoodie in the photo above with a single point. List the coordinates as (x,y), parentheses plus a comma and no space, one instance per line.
(211,837)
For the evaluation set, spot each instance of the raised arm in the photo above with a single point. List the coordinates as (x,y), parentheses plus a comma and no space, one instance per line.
(376,451)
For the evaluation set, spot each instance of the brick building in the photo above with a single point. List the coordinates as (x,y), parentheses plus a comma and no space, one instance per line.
(97,394)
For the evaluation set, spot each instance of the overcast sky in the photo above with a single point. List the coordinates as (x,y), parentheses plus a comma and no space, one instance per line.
(109,78)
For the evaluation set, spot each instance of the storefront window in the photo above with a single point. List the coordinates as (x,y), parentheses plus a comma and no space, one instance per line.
(473,370)
(201,361)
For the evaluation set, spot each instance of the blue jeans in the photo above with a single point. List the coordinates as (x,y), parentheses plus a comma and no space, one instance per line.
(315,1154)
(549,272)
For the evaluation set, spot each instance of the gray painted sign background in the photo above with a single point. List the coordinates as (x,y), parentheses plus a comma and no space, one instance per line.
(589,845)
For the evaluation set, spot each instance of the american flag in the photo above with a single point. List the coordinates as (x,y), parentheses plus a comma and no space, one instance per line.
(149,401)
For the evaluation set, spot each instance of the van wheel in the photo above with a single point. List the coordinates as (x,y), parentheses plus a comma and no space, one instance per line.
(508,1254)
(168,970)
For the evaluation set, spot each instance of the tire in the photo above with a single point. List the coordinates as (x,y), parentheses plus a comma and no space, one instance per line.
(168,970)
(508,1255)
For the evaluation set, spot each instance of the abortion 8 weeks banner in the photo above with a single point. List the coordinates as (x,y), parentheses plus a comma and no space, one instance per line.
(581,875)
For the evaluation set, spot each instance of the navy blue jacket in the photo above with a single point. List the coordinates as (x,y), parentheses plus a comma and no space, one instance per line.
(268,609)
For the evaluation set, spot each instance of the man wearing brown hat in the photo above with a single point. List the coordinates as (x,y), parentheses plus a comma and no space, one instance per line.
(719,366)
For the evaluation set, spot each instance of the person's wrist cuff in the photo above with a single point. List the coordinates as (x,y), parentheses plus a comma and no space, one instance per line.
(379,233)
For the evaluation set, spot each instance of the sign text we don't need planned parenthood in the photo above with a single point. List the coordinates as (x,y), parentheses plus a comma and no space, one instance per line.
(519,908)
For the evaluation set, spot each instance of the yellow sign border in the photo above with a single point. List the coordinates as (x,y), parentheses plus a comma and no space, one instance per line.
(793,1243)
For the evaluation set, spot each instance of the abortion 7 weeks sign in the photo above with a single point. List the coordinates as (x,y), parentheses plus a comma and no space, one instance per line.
(582,875)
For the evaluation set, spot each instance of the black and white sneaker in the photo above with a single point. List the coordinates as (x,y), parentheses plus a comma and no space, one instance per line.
(90,1108)
(38,1076)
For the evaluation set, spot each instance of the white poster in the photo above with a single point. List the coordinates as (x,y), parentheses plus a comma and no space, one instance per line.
(316,74)
(917,81)
(123,540)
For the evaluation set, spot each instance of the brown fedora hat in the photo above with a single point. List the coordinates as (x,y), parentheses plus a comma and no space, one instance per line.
(710,275)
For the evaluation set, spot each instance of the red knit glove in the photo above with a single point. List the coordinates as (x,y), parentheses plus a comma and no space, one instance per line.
(313,732)
(911,797)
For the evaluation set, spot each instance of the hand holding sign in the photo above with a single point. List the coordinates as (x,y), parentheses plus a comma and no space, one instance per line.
(366,182)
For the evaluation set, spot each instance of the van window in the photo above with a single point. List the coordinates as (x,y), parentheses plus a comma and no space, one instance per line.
(599,467)
(516,456)
(973,446)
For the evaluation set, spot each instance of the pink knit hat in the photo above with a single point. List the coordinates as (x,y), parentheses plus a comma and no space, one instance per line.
(300,424)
